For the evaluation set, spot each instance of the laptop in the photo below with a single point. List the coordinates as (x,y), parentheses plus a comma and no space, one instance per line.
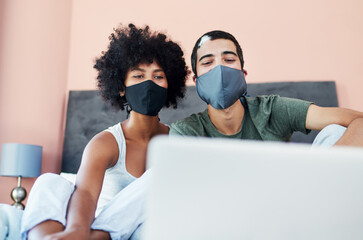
(204,188)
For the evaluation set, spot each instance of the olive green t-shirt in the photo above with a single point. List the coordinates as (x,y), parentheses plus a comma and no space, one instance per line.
(270,118)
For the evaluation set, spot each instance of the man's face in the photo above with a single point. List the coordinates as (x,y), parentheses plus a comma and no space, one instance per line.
(217,52)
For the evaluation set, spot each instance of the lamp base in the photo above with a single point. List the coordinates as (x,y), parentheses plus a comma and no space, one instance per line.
(18,205)
(18,194)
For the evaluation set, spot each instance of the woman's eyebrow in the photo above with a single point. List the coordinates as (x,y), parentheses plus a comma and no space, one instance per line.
(158,70)
(137,69)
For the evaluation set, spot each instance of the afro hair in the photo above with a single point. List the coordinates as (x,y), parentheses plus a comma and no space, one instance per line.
(130,46)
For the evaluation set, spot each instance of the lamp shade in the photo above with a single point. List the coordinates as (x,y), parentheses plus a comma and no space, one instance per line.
(23,160)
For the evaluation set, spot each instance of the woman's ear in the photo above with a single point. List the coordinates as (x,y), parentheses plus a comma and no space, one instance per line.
(122,93)
(194,79)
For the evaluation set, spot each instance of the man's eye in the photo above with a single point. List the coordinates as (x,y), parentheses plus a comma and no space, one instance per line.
(230,60)
(206,63)
(159,77)
(138,76)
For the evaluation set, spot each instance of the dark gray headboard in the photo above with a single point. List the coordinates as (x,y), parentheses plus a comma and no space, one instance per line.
(87,114)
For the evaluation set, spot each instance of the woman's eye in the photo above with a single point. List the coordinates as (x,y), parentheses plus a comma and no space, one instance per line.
(138,76)
(159,77)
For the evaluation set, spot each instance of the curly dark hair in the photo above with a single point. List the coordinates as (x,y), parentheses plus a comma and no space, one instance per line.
(131,46)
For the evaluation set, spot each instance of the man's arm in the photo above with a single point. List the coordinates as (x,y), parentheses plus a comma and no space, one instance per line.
(319,117)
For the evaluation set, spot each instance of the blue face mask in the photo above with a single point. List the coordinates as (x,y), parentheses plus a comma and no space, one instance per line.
(222,86)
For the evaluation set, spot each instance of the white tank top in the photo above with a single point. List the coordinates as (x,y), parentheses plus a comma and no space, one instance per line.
(117,177)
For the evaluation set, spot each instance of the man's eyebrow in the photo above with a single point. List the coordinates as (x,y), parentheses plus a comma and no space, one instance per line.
(223,53)
(205,56)
(229,52)
(158,70)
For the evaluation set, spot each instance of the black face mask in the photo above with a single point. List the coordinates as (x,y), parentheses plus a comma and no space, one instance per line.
(146,98)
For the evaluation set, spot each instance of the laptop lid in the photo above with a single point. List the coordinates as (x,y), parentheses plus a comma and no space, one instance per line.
(231,189)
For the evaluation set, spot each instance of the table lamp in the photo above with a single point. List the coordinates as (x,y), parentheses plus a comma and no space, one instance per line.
(20,160)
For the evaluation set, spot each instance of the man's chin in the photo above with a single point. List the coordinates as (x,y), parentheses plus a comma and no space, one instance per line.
(237,104)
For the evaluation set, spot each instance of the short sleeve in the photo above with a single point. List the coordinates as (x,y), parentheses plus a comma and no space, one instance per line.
(291,112)
(279,116)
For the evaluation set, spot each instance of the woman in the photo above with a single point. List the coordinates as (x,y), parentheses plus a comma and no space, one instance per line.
(142,71)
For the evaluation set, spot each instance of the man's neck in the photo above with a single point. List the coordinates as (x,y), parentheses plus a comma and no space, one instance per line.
(227,121)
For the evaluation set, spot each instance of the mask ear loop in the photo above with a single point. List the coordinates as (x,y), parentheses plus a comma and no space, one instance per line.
(128,110)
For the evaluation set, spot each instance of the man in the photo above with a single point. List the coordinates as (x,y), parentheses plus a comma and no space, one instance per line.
(217,63)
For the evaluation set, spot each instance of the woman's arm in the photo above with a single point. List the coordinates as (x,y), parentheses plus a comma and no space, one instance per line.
(100,153)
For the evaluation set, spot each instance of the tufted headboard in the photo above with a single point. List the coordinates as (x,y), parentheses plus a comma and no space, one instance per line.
(87,114)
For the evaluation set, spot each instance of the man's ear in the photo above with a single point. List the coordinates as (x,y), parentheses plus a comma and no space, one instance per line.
(194,79)
(122,93)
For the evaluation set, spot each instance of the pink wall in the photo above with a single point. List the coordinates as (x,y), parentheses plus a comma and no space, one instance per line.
(282,40)
(33,76)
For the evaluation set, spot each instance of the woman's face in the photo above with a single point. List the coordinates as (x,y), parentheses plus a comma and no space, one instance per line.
(146,71)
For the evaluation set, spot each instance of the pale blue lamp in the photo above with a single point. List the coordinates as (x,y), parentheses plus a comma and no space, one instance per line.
(20,160)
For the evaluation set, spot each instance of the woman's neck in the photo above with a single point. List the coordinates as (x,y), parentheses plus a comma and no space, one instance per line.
(227,121)
(141,127)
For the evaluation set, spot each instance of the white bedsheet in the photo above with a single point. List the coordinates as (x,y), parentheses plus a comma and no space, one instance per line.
(10,220)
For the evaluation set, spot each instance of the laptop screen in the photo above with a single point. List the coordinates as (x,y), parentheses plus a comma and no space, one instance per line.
(231,189)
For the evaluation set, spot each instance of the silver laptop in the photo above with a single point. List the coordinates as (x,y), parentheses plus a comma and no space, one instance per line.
(232,189)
